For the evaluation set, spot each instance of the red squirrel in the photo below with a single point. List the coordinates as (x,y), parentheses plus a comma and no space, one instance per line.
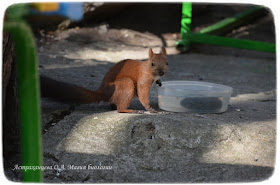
(119,86)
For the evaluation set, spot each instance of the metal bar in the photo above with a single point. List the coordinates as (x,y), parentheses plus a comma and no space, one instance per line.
(221,27)
(234,21)
(28,93)
(186,23)
(231,42)
(186,17)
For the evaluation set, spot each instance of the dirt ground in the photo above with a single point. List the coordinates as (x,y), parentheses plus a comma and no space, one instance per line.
(235,146)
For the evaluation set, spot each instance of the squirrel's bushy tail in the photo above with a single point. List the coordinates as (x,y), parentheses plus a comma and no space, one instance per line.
(68,93)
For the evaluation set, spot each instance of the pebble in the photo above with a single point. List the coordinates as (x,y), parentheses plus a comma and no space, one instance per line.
(41,49)
(200,116)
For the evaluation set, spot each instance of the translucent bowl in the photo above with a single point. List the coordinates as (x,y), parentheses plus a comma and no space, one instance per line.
(193,96)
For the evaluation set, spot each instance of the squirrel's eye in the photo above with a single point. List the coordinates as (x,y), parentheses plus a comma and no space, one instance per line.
(153,64)
(166,63)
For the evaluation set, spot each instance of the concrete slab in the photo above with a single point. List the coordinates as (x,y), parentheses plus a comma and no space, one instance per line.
(235,146)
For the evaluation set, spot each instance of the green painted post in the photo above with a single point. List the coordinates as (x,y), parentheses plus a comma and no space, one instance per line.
(186,24)
(186,18)
(28,93)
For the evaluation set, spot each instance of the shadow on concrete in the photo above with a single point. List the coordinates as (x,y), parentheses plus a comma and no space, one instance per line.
(144,148)
(201,173)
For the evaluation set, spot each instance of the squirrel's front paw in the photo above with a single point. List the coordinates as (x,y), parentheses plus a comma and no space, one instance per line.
(138,112)
(151,110)
(159,83)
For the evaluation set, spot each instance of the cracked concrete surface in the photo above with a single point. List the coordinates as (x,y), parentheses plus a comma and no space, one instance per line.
(235,146)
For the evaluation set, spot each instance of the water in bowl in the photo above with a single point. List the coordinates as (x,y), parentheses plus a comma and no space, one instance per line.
(194,104)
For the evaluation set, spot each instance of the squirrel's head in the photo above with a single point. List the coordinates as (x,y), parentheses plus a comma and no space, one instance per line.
(158,62)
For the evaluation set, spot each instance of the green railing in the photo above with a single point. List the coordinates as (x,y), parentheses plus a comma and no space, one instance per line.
(205,37)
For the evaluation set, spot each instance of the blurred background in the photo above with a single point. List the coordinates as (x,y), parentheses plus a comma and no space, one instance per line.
(150,25)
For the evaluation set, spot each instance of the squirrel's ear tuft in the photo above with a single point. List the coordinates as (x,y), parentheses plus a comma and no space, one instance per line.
(151,53)
(163,51)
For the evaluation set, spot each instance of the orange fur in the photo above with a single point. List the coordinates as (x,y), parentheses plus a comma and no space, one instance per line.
(123,81)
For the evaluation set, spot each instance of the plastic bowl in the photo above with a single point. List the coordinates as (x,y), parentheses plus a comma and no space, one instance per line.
(193,96)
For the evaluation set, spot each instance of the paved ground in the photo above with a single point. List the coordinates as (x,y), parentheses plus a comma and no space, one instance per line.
(235,146)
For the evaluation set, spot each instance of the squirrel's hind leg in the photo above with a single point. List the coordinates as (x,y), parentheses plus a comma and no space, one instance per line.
(124,92)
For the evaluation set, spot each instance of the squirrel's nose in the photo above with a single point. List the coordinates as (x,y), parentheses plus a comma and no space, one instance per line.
(161,73)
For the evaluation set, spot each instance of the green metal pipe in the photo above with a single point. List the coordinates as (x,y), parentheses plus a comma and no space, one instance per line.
(186,17)
(186,22)
(237,20)
(220,27)
(231,42)
(28,93)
